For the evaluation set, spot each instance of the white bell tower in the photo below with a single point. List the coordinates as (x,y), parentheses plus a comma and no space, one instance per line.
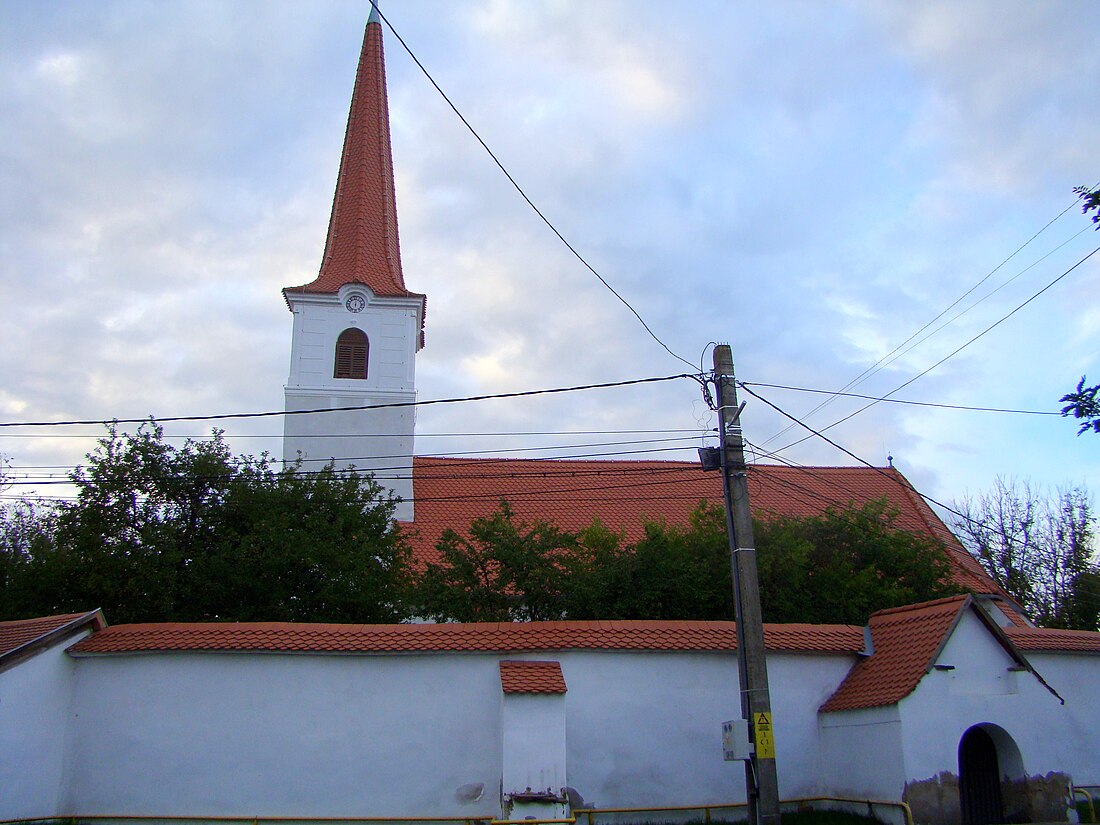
(357,329)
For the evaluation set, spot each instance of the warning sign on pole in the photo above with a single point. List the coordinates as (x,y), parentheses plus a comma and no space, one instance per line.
(762,733)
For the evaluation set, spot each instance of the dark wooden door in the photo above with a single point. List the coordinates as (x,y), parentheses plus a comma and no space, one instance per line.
(979,779)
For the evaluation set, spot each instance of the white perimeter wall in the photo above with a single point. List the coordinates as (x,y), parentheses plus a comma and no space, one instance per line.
(396,735)
(1076,677)
(35,697)
(863,755)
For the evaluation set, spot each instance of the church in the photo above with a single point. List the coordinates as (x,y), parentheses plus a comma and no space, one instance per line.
(951,711)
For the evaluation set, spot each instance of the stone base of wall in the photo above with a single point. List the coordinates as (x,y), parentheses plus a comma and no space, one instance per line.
(935,801)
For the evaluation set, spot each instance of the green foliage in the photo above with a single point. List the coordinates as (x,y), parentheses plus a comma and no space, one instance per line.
(1090,202)
(837,567)
(505,570)
(1084,403)
(841,566)
(194,533)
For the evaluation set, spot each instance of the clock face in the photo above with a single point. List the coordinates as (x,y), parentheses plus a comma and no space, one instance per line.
(355,303)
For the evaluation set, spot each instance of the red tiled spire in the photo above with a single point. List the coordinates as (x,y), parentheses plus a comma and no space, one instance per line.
(362,244)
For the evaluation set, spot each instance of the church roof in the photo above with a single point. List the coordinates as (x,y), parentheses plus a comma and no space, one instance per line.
(362,245)
(478,637)
(451,492)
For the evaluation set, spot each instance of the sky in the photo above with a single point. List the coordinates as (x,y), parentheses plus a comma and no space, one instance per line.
(809,182)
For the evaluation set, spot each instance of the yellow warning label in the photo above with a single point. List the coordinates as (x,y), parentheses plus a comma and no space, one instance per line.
(762,733)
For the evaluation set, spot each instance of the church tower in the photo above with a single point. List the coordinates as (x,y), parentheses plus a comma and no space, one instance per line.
(357,329)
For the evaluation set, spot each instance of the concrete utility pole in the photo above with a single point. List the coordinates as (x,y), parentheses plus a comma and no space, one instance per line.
(761,781)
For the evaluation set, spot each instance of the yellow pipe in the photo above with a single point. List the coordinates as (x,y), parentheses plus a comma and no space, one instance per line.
(869,802)
(1088,798)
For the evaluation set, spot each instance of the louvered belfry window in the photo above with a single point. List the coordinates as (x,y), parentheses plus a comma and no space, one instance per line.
(351,354)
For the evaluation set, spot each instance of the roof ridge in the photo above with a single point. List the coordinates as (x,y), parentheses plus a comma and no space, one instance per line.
(910,608)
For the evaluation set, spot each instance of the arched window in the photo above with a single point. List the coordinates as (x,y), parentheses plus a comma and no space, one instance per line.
(351,354)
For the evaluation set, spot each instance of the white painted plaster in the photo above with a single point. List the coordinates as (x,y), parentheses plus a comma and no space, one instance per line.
(981,688)
(376,441)
(862,753)
(533,743)
(285,735)
(35,697)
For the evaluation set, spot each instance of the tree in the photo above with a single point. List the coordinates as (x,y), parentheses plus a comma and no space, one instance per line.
(837,567)
(504,570)
(1084,403)
(194,533)
(843,565)
(1090,202)
(1039,548)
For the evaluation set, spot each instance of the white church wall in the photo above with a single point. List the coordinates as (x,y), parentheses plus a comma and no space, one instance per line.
(862,754)
(286,735)
(409,735)
(983,686)
(534,752)
(35,699)
(645,728)
(1076,677)
(376,441)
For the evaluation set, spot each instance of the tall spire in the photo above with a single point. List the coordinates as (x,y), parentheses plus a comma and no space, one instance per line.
(362,244)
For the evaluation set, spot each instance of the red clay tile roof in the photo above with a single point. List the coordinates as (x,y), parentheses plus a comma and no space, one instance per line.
(906,641)
(362,244)
(451,492)
(479,637)
(1065,641)
(531,677)
(22,632)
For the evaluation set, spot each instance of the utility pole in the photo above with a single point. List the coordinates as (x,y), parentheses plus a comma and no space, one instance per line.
(761,781)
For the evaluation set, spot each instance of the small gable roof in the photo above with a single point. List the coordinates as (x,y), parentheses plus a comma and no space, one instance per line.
(19,638)
(906,641)
(288,637)
(531,677)
(570,493)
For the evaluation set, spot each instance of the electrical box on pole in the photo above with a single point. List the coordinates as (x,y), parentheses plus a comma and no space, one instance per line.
(761,780)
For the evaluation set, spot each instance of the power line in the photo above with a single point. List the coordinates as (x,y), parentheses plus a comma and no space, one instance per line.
(520,190)
(950,355)
(848,452)
(840,394)
(353,408)
(871,370)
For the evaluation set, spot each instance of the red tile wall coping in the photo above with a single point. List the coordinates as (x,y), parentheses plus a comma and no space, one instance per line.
(531,677)
(452,492)
(1062,641)
(480,637)
(16,633)
(904,640)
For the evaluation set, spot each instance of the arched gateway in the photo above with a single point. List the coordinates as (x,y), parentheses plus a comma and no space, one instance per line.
(987,756)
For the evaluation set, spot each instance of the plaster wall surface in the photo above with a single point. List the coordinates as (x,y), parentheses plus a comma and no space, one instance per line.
(982,687)
(646,728)
(1076,677)
(252,734)
(206,734)
(35,699)
(862,753)
(533,742)
(378,441)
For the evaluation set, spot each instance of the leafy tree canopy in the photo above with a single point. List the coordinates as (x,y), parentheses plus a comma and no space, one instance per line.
(1084,404)
(195,533)
(837,567)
